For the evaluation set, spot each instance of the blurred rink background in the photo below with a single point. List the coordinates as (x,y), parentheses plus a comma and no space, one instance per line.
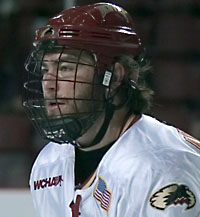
(170,31)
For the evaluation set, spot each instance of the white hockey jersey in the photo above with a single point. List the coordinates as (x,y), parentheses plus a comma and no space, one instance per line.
(152,170)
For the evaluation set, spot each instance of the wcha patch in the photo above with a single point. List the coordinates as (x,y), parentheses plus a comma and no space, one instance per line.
(48,182)
(173,194)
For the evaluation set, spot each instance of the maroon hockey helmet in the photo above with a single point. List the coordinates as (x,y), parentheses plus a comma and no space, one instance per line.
(103,28)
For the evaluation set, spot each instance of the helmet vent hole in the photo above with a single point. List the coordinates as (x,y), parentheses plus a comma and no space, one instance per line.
(69,32)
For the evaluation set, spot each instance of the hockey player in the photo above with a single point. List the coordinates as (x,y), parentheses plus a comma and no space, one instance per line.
(105,157)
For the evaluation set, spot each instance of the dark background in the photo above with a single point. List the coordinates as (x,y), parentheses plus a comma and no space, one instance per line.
(170,31)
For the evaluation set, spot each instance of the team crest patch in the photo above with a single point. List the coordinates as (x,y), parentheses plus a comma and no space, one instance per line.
(48,31)
(102,195)
(173,194)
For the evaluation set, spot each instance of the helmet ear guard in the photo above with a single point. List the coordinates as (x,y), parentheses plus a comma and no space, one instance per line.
(107,78)
(113,79)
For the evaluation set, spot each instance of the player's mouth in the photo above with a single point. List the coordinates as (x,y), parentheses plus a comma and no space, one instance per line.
(54,104)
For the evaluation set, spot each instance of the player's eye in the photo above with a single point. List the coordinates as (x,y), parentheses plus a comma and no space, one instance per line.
(66,68)
(44,70)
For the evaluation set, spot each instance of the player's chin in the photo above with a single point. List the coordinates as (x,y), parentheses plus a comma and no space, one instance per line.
(59,111)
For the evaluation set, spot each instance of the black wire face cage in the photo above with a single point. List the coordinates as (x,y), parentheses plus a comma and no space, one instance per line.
(63,91)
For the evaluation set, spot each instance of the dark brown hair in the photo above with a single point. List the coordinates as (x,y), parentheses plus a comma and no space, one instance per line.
(134,89)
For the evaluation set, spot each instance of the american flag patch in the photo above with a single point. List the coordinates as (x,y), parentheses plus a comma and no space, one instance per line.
(102,194)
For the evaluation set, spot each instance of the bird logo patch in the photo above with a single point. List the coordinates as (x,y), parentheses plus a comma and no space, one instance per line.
(173,195)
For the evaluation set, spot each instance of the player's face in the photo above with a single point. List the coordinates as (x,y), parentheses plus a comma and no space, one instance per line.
(69,83)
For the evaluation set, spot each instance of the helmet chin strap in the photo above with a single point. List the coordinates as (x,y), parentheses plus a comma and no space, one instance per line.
(109,111)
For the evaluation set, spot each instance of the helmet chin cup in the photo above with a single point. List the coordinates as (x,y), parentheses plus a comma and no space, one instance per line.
(66,129)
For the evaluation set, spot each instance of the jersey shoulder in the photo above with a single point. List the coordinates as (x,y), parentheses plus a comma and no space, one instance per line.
(150,145)
(53,152)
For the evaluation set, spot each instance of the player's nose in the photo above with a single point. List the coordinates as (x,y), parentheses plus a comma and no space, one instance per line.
(50,82)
